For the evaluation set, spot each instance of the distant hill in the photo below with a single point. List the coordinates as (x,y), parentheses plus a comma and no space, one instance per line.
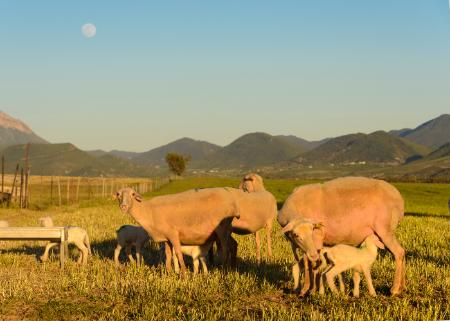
(124,154)
(196,149)
(66,159)
(303,144)
(442,151)
(14,131)
(378,147)
(433,133)
(254,149)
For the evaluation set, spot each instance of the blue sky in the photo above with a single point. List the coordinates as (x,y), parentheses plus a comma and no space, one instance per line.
(214,70)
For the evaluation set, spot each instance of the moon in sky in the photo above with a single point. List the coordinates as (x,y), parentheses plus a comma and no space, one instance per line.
(89,30)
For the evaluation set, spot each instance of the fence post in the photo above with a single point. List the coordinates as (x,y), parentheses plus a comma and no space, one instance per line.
(68,190)
(78,189)
(59,190)
(21,188)
(51,190)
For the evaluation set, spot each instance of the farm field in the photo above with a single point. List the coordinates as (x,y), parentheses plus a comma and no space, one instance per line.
(31,290)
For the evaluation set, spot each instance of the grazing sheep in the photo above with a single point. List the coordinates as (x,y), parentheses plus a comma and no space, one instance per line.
(258,209)
(188,218)
(127,236)
(4,223)
(341,257)
(344,210)
(75,235)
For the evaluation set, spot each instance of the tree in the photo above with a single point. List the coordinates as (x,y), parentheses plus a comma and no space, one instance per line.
(177,163)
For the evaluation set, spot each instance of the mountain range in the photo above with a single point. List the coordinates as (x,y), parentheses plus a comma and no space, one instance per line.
(250,151)
(14,131)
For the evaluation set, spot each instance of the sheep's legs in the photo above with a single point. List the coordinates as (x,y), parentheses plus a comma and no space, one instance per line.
(128,252)
(341,284)
(168,249)
(83,258)
(399,253)
(356,281)
(204,266)
(117,253)
(307,277)
(49,245)
(233,251)
(138,254)
(369,282)
(195,262)
(175,264)
(269,239)
(177,248)
(258,246)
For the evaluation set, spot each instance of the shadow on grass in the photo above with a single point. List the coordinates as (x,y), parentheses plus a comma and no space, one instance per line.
(105,250)
(427,215)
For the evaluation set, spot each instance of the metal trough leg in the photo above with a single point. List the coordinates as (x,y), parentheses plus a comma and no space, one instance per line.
(63,247)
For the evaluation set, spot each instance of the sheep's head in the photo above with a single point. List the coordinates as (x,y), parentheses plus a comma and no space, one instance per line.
(126,197)
(300,232)
(252,183)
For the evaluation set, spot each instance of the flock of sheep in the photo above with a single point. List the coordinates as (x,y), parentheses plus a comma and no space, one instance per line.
(332,227)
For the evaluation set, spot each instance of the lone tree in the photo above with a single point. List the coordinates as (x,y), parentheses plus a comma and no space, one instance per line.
(177,163)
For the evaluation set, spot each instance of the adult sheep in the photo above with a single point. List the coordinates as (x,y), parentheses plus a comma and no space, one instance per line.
(258,209)
(344,210)
(187,218)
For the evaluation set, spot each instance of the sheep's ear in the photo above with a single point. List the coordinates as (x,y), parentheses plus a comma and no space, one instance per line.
(115,196)
(138,197)
(241,185)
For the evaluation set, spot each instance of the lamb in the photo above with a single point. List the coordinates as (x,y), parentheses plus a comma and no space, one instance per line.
(75,235)
(344,210)
(127,236)
(198,253)
(187,218)
(341,257)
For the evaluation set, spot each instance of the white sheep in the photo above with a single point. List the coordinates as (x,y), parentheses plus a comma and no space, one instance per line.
(341,257)
(75,235)
(127,236)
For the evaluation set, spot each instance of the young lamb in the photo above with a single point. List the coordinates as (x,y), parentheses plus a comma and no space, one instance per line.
(75,235)
(342,257)
(127,236)
(198,253)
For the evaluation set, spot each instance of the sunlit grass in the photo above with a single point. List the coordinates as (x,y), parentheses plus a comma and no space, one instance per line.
(33,290)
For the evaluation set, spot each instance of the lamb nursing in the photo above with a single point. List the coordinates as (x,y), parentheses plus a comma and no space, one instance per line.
(340,258)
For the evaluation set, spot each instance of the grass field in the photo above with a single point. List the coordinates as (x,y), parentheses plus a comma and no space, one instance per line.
(33,290)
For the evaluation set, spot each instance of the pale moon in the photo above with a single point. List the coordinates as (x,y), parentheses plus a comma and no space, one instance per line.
(88,30)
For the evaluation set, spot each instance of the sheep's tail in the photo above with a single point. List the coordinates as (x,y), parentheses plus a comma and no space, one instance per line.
(88,244)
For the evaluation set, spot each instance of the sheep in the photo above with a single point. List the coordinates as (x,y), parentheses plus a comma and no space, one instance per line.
(344,210)
(341,257)
(188,218)
(258,210)
(75,235)
(127,236)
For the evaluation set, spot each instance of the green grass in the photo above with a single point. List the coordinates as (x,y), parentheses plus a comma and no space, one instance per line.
(33,290)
